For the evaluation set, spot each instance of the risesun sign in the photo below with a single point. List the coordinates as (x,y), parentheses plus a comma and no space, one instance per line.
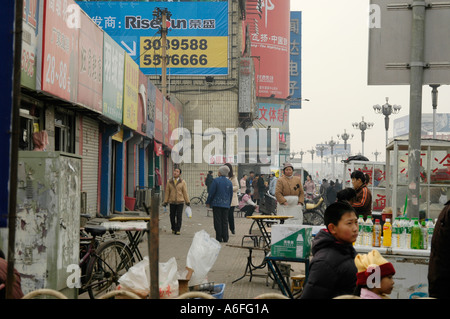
(197,39)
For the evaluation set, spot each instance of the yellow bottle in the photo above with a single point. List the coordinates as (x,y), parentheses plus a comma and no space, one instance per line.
(387,233)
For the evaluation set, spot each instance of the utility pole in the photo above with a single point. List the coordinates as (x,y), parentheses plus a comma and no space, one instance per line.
(162,15)
(415,106)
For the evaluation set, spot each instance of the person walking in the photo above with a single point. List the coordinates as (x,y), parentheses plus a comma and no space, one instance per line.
(219,198)
(331,193)
(290,195)
(209,179)
(234,201)
(176,195)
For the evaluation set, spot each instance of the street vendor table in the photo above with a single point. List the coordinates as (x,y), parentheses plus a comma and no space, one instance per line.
(411,270)
(134,227)
(278,276)
(262,220)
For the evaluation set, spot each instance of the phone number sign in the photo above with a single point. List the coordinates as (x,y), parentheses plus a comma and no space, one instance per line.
(197,39)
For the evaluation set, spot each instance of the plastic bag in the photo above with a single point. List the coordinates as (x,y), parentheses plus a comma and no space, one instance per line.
(137,278)
(292,209)
(201,257)
(188,211)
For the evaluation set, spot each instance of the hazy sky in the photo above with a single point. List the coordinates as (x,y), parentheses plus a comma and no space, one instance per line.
(334,74)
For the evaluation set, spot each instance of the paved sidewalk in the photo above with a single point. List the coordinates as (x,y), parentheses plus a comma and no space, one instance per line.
(231,262)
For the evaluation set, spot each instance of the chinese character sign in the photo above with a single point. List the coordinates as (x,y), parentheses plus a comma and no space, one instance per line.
(130,93)
(274,115)
(295,63)
(270,41)
(197,38)
(60,50)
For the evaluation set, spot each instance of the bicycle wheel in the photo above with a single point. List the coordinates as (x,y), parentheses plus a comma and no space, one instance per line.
(111,260)
(196,201)
(314,218)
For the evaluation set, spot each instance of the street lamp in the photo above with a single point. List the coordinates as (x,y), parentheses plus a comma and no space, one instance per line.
(363,126)
(320,149)
(312,151)
(376,153)
(345,137)
(387,109)
(331,144)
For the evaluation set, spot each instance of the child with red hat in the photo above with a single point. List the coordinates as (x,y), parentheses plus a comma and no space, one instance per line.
(374,277)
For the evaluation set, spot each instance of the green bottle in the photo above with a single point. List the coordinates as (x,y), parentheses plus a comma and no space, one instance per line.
(416,235)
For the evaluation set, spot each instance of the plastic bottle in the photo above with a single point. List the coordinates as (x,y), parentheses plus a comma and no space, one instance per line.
(368,232)
(387,233)
(299,249)
(408,229)
(416,234)
(376,239)
(424,237)
(359,239)
(402,233)
(396,233)
(430,230)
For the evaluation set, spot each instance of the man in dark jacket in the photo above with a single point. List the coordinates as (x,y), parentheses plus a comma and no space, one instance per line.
(439,265)
(219,198)
(332,271)
(208,181)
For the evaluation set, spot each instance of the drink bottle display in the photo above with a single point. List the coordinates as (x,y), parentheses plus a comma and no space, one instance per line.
(376,241)
(387,233)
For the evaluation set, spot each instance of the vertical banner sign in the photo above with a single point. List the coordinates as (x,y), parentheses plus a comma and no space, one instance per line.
(197,40)
(90,62)
(59,75)
(6,73)
(270,41)
(173,124)
(130,93)
(295,64)
(113,60)
(30,36)
(150,126)
(142,104)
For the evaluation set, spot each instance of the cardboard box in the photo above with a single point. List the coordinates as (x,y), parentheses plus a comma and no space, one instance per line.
(292,241)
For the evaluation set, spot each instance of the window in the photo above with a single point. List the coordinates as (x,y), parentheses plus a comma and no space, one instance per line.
(64,132)
(30,122)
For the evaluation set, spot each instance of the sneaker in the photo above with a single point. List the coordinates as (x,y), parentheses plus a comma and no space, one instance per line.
(173,232)
(177,233)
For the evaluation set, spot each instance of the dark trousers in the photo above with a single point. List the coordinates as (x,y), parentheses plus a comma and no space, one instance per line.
(248,209)
(231,218)
(176,214)
(220,216)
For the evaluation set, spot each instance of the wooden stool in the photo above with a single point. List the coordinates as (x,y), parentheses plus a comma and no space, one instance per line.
(297,283)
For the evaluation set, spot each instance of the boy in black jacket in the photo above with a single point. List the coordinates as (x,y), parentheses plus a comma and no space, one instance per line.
(333,271)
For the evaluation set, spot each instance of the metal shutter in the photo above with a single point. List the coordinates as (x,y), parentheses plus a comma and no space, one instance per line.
(89,177)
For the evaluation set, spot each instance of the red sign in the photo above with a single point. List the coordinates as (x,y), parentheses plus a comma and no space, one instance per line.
(158,149)
(60,49)
(270,40)
(90,62)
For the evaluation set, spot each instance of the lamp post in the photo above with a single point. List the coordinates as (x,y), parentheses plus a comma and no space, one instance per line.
(331,144)
(387,109)
(312,151)
(376,153)
(363,126)
(345,137)
(320,149)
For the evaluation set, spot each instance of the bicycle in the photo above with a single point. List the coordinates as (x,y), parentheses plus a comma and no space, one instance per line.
(101,263)
(197,200)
